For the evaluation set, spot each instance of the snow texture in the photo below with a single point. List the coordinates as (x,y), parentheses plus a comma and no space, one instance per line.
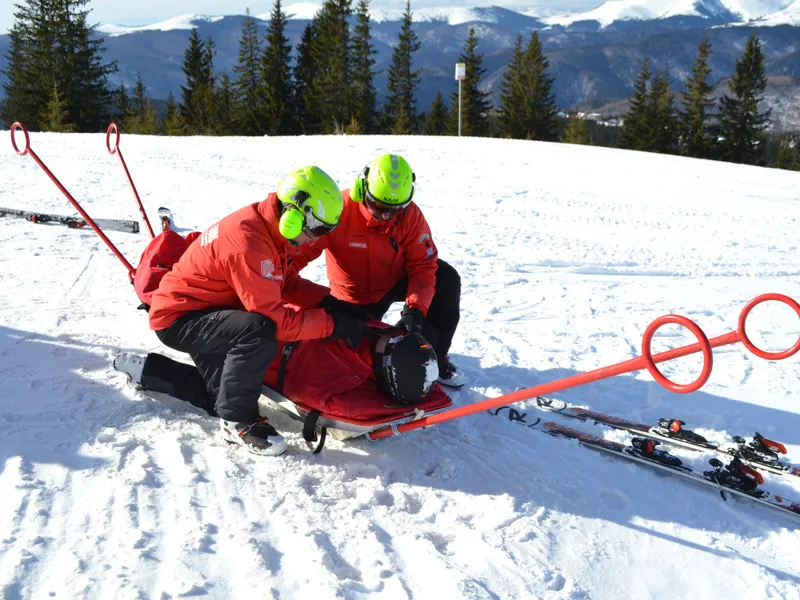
(566,254)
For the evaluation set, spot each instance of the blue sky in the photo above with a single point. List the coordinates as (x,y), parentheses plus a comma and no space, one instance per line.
(140,12)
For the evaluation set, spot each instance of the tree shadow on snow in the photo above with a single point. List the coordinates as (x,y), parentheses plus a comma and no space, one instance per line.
(51,407)
(482,454)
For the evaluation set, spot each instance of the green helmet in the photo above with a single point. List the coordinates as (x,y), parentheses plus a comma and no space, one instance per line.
(390,179)
(312,191)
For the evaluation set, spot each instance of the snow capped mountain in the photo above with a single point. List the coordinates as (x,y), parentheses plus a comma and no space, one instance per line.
(452,15)
(644,10)
(788,16)
(749,10)
(181,22)
(298,10)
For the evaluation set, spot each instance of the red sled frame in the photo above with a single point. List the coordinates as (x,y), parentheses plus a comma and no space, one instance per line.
(389,427)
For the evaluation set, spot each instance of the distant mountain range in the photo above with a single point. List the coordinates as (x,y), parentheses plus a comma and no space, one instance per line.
(594,56)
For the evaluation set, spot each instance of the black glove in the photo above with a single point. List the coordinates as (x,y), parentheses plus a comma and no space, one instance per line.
(411,319)
(351,330)
(333,306)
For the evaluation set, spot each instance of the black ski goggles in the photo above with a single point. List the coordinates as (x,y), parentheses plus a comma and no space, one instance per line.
(315,228)
(385,210)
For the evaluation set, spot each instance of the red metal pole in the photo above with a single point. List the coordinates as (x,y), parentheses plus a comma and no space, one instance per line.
(646,361)
(29,151)
(116,150)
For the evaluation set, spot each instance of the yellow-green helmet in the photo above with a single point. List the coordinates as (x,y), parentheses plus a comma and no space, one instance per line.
(390,179)
(316,197)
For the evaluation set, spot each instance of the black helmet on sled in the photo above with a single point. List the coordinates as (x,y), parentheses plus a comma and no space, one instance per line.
(405,366)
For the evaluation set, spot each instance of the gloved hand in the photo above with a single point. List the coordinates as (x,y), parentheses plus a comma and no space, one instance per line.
(411,319)
(333,305)
(351,330)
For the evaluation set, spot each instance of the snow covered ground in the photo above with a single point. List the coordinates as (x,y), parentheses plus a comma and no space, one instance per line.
(566,254)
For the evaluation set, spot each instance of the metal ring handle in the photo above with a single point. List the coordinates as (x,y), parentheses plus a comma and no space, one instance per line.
(647,354)
(743,320)
(20,127)
(113,127)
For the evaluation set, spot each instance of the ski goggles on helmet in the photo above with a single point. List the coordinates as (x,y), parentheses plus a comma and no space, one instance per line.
(315,228)
(383,209)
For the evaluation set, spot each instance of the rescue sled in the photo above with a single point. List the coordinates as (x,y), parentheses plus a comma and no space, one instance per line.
(378,414)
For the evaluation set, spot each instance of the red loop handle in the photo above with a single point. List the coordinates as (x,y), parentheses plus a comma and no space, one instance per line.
(743,320)
(20,127)
(705,346)
(113,127)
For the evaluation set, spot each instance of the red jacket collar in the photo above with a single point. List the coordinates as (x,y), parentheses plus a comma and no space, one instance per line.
(268,211)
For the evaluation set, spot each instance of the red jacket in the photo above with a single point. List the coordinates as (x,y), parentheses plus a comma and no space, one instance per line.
(365,257)
(329,376)
(243,263)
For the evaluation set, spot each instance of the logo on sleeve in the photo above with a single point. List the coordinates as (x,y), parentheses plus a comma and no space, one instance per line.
(209,235)
(268,271)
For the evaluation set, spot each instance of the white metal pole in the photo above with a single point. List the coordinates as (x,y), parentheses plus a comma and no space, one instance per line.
(459,108)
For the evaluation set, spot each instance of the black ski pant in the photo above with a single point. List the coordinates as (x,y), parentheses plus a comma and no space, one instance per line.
(441,322)
(231,350)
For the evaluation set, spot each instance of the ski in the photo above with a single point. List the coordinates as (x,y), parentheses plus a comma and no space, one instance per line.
(760,452)
(734,478)
(165,215)
(71,222)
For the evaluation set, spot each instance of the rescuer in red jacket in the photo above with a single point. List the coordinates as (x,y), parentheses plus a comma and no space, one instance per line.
(382,252)
(225,301)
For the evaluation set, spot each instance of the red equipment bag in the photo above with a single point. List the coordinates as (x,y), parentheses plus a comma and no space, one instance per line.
(157,260)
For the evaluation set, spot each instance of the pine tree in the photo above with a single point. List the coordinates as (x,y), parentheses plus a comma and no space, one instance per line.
(26,89)
(512,95)
(540,104)
(436,120)
(362,79)
(305,72)
(248,101)
(787,157)
(400,111)
(276,75)
(697,105)
(662,117)
(133,123)
(330,96)
(197,95)
(635,134)
(740,122)
(53,40)
(124,111)
(54,117)
(475,102)
(222,122)
(172,120)
(577,132)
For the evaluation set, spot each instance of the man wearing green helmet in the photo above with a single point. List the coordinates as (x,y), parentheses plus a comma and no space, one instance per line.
(226,304)
(382,252)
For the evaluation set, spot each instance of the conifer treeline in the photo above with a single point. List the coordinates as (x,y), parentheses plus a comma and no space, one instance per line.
(57,81)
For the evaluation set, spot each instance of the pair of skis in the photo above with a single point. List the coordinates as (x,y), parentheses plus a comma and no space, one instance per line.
(70,221)
(78,223)
(739,476)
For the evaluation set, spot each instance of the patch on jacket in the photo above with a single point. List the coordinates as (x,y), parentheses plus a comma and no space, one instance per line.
(209,235)
(358,244)
(268,271)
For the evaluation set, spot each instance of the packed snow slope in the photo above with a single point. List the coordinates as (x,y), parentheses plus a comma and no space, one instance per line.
(566,254)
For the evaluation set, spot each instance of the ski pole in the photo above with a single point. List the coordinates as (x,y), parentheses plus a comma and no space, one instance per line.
(27,150)
(116,150)
(647,361)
